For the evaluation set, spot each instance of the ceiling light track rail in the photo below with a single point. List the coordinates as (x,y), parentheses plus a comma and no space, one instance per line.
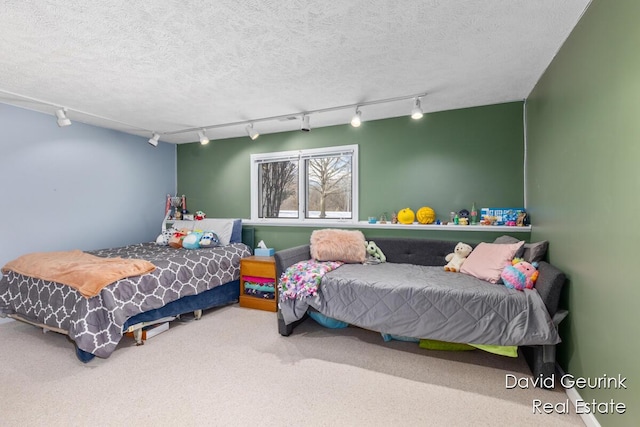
(300,114)
(61,113)
(67,109)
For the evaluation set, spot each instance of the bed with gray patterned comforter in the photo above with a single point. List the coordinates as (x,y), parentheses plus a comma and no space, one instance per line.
(96,324)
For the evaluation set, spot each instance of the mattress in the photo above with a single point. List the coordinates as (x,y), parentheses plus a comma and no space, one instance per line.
(428,302)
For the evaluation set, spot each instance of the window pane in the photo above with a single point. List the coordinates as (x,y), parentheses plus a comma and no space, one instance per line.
(278,189)
(329,187)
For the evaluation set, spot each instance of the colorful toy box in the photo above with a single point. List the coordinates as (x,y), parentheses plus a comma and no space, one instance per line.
(502,215)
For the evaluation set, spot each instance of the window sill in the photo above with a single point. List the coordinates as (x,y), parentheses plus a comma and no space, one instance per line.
(366,224)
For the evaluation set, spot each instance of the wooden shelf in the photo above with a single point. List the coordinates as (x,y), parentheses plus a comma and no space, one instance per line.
(263,267)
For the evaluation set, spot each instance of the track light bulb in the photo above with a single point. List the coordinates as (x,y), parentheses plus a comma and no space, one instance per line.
(253,134)
(61,114)
(203,138)
(154,139)
(306,127)
(355,121)
(416,113)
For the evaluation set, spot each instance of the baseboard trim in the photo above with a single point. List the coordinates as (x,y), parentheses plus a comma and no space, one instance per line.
(589,420)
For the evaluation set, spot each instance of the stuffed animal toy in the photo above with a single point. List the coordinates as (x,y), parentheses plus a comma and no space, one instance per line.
(455,259)
(520,274)
(176,239)
(163,239)
(200,216)
(209,239)
(375,251)
(192,240)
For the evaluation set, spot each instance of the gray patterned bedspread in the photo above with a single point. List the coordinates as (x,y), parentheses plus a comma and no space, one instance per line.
(95,324)
(428,302)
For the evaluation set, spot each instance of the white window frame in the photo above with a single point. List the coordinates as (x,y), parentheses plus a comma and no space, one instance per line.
(301,156)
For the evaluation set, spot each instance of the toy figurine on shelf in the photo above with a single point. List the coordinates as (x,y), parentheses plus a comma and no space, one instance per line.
(523,219)
(394,218)
(184,206)
(383,218)
(488,220)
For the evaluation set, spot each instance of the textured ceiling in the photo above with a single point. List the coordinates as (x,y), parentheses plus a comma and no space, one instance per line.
(166,66)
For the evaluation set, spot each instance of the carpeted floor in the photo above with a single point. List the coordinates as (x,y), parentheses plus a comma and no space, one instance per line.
(231,368)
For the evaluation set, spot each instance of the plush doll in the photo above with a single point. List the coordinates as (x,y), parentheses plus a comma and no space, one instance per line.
(176,239)
(192,240)
(209,239)
(375,251)
(163,239)
(455,259)
(200,216)
(520,274)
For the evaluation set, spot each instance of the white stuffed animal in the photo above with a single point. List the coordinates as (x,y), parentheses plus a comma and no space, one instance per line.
(163,239)
(455,259)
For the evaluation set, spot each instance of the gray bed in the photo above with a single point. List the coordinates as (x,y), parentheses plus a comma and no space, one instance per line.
(428,302)
(412,296)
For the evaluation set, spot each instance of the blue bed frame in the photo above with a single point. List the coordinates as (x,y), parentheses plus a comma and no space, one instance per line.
(216,297)
(225,294)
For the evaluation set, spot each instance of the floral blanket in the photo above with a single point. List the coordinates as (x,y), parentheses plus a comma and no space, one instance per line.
(301,280)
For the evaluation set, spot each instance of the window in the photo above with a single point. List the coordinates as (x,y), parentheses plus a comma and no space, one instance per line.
(312,185)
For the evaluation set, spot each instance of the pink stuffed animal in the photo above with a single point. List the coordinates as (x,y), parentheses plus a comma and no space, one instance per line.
(520,274)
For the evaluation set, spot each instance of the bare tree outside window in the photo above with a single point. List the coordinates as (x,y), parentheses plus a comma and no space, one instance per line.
(307,185)
(329,187)
(278,183)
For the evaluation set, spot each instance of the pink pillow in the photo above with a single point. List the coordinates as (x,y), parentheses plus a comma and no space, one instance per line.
(338,245)
(487,260)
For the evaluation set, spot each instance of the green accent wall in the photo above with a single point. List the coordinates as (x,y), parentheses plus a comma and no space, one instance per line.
(583,123)
(447,161)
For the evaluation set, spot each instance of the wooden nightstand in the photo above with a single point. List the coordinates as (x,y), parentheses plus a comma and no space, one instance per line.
(263,270)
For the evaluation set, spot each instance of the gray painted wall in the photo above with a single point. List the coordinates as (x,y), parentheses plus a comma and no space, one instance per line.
(77,187)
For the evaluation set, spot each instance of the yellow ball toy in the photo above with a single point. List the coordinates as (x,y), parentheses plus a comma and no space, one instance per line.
(406,216)
(426,215)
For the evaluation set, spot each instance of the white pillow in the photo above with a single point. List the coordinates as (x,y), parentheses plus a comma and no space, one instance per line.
(222,227)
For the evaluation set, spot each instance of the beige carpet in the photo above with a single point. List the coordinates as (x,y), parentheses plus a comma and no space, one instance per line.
(231,368)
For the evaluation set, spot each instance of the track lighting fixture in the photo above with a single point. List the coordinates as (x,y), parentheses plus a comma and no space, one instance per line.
(203,138)
(253,134)
(154,139)
(355,121)
(416,113)
(63,120)
(306,127)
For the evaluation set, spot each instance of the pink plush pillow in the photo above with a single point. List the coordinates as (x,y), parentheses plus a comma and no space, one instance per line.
(338,245)
(487,260)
